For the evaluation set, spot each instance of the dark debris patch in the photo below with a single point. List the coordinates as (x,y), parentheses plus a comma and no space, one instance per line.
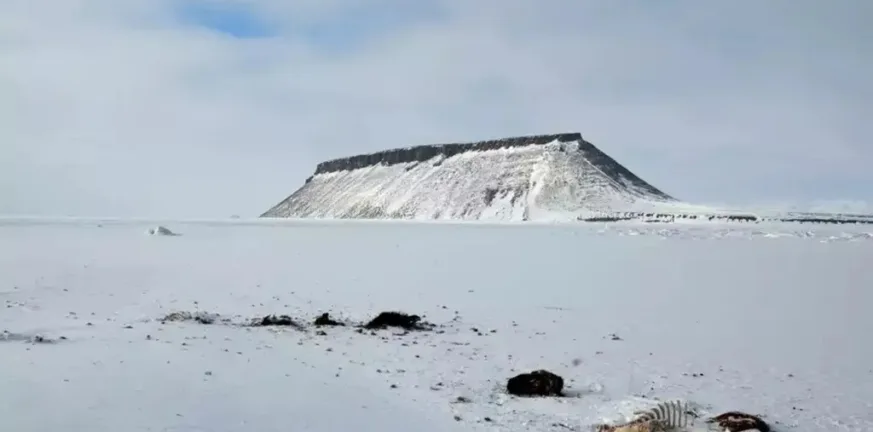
(735,421)
(325,320)
(7,336)
(277,320)
(205,318)
(537,383)
(399,320)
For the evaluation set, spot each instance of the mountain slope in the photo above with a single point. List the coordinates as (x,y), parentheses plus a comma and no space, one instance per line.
(523,178)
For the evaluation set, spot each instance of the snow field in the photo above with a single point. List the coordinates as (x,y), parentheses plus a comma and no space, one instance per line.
(768,320)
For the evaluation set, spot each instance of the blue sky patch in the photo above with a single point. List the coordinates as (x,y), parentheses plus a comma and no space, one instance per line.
(345,30)
(232,19)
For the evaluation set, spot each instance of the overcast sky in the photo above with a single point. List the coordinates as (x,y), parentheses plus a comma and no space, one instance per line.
(176,108)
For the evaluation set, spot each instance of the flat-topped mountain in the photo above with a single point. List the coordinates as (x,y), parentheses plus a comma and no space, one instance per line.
(522,178)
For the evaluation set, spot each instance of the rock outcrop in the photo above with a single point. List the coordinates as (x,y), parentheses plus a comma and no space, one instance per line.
(397,319)
(736,421)
(523,178)
(537,383)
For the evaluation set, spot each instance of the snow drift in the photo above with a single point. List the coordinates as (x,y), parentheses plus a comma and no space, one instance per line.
(523,178)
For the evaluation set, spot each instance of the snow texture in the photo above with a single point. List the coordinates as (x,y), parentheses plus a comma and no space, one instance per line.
(770,319)
(161,231)
(546,177)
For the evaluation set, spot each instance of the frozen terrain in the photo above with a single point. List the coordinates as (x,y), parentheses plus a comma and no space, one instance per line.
(770,319)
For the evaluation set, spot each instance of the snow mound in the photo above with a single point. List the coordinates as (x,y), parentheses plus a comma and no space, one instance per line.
(161,231)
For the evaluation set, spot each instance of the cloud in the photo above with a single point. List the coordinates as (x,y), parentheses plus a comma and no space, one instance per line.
(206,108)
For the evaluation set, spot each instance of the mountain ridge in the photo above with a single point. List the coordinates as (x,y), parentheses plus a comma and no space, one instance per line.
(508,178)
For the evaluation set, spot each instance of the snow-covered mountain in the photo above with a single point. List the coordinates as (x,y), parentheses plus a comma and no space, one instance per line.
(524,178)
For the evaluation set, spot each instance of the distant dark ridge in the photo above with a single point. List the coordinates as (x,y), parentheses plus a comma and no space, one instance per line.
(427,152)
(669,217)
(828,220)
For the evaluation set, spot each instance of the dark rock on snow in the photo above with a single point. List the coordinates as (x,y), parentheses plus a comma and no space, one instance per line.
(397,319)
(536,383)
(325,320)
(735,421)
(281,320)
(198,317)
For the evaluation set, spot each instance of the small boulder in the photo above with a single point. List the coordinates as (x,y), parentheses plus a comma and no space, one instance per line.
(735,421)
(325,320)
(198,317)
(397,319)
(536,383)
(280,320)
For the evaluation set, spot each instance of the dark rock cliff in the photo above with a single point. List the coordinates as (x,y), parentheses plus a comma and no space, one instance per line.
(427,152)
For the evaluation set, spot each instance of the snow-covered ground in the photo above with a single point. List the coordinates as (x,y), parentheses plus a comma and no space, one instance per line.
(769,319)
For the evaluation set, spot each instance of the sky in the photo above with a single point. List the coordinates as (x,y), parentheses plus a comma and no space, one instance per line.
(210,108)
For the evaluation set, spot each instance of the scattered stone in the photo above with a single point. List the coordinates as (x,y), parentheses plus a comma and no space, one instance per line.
(281,320)
(735,421)
(397,319)
(6,336)
(462,399)
(198,317)
(325,320)
(536,383)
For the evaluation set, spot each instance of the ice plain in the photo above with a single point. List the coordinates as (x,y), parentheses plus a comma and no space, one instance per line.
(767,318)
